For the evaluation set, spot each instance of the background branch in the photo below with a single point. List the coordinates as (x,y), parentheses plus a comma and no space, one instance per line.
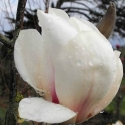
(11,114)
(5,41)
(20,14)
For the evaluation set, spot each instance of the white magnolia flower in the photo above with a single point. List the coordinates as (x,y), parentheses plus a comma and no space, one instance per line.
(72,63)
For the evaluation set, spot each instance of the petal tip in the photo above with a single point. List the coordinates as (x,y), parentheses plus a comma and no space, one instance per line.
(117,53)
(40,110)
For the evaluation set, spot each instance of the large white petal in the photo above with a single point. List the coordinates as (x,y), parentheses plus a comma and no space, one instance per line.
(113,89)
(78,23)
(40,110)
(55,31)
(81,24)
(33,62)
(58,12)
(84,71)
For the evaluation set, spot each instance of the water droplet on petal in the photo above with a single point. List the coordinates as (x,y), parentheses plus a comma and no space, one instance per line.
(83,48)
(90,63)
(102,112)
(42,94)
(79,63)
(74,40)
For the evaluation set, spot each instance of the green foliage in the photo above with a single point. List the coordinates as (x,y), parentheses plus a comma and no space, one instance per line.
(2,112)
(123,107)
(2,115)
(25,123)
(111,107)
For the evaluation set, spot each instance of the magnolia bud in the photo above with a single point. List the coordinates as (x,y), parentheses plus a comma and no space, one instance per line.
(106,25)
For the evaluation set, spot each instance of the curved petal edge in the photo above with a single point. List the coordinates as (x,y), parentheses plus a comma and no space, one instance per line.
(40,110)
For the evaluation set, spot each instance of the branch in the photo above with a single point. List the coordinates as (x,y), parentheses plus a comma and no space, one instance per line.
(46,6)
(19,18)
(18,25)
(11,114)
(20,14)
(81,4)
(74,11)
(59,3)
(74,8)
(25,89)
(5,41)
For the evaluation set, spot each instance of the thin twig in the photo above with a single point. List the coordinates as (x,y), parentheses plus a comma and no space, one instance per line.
(33,123)
(5,41)
(19,18)
(79,12)
(20,14)
(7,13)
(2,74)
(25,89)
(46,6)
(10,8)
(74,8)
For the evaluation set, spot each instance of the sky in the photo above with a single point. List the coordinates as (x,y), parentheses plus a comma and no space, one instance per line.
(11,7)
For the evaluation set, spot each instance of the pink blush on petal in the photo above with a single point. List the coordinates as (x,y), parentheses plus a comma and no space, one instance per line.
(54,96)
(53,90)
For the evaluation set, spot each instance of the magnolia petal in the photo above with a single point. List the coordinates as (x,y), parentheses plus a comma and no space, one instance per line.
(77,58)
(33,62)
(95,109)
(40,110)
(113,89)
(89,24)
(58,12)
(70,121)
(79,23)
(54,24)
(82,24)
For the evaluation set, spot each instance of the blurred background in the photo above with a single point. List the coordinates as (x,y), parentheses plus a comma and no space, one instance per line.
(92,10)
